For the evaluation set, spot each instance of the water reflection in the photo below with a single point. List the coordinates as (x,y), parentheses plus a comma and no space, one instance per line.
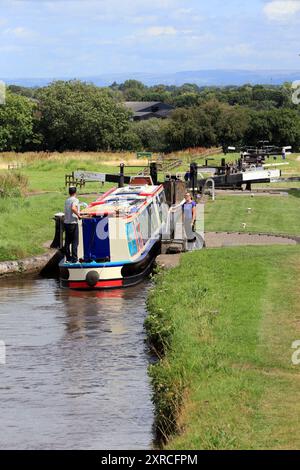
(76,372)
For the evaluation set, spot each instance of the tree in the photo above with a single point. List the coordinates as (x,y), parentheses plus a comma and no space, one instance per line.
(76,115)
(232,124)
(22,90)
(16,123)
(190,127)
(133,90)
(279,126)
(152,134)
(186,100)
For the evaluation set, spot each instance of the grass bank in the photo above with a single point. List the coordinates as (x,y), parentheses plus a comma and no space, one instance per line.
(224,322)
(25,224)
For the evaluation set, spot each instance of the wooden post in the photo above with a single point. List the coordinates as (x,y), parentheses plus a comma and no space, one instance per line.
(194,177)
(121,181)
(153,172)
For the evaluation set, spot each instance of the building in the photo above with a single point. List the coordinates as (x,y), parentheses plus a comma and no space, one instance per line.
(143,110)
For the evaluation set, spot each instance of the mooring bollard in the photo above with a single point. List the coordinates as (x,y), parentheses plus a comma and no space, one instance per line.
(153,172)
(58,241)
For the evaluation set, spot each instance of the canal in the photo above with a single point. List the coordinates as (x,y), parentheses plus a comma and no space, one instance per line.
(76,368)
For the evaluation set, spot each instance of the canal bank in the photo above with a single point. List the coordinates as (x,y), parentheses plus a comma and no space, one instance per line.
(223,323)
(45,263)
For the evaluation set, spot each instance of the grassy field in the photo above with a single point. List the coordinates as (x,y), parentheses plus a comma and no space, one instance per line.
(226,320)
(269,214)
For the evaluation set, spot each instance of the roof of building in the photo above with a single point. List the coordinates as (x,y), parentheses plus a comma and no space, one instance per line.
(140,105)
(143,113)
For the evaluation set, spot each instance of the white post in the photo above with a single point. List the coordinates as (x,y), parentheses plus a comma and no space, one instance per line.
(213,187)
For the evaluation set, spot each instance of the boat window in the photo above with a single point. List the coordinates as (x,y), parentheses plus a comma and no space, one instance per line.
(162,198)
(132,243)
(138,233)
(145,224)
(162,206)
(152,218)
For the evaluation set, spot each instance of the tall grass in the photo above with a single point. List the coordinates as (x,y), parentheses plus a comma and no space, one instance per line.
(29,158)
(110,158)
(12,184)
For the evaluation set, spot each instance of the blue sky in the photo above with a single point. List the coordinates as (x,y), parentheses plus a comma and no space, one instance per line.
(42,38)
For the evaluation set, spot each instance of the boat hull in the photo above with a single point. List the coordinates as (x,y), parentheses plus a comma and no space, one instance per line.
(108,276)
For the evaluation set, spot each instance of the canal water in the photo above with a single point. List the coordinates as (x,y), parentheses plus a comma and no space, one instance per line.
(76,368)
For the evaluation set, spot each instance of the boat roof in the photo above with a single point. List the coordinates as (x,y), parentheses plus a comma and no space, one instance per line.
(120,202)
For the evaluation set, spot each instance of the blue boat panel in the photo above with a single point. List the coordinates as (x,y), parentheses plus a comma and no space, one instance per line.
(96,239)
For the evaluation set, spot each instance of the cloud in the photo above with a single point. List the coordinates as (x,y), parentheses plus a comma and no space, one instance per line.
(19,32)
(10,48)
(241,49)
(281,10)
(156,31)
(86,7)
(185,16)
(138,20)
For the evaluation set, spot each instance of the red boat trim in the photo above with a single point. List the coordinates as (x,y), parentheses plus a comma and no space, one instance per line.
(97,203)
(106,194)
(151,194)
(85,285)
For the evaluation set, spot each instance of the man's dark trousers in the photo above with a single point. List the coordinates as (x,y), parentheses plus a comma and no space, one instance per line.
(72,238)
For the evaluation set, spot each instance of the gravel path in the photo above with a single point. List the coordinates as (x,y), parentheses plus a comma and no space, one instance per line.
(263,192)
(225,239)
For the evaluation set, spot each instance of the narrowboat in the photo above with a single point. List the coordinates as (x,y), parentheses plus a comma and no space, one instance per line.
(119,238)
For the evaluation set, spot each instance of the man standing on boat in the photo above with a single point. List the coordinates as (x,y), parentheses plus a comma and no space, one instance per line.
(189,217)
(72,216)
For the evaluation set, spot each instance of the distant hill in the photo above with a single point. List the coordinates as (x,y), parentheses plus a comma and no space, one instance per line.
(199,77)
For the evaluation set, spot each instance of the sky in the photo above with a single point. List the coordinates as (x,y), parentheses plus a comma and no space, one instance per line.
(71,38)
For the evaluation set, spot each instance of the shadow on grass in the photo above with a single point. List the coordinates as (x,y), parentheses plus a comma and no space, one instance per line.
(294,192)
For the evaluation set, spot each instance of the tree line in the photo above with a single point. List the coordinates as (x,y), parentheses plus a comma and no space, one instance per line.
(74,115)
